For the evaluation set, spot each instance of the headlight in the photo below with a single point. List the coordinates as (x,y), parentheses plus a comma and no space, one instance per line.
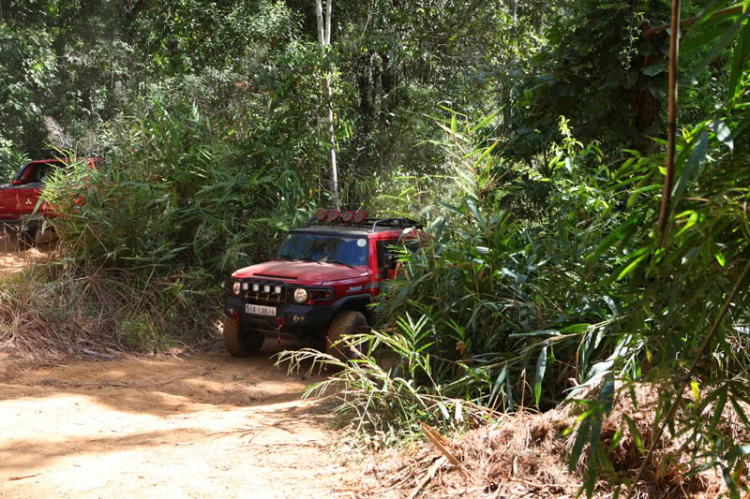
(236,287)
(300,295)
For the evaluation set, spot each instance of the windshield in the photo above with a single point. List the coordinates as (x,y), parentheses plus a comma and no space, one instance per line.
(324,249)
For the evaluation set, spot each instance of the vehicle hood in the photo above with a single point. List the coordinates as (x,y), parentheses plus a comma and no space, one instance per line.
(307,273)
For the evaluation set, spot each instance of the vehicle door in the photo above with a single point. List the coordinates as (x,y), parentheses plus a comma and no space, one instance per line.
(8,203)
(29,190)
(9,207)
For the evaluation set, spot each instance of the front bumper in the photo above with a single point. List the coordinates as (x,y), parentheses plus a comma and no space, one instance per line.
(291,321)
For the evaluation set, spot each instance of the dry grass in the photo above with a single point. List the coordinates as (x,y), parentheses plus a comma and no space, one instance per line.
(526,455)
(53,309)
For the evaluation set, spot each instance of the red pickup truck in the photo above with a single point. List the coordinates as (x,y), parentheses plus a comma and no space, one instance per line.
(21,212)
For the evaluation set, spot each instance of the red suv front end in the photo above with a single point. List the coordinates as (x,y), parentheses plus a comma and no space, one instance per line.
(319,285)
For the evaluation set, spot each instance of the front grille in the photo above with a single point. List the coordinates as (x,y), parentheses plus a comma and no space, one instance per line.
(260,297)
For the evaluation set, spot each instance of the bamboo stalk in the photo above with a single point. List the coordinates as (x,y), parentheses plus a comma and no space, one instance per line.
(674,54)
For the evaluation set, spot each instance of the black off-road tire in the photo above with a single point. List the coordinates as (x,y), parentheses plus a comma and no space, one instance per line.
(240,340)
(345,323)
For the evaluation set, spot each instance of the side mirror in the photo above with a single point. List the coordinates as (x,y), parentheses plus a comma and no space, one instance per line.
(389,261)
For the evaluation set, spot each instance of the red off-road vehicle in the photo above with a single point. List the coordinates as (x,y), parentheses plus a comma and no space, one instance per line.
(18,200)
(318,285)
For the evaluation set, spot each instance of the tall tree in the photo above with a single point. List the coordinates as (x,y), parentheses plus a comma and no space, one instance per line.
(324,38)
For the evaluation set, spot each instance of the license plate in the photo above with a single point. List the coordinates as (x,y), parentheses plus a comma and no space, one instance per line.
(260,310)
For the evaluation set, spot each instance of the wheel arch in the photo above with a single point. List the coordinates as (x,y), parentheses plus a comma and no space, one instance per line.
(358,303)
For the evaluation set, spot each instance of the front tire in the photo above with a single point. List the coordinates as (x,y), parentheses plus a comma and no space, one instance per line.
(240,340)
(345,323)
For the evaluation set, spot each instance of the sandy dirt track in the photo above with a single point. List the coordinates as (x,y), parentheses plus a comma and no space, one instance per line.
(14,257)
(200,425)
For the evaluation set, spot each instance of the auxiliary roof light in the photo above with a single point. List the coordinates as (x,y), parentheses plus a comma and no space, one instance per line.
(359,216)
(320,214)
(347,216)
(333,215)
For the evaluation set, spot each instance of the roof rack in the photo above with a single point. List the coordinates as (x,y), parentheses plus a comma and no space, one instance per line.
(370,224)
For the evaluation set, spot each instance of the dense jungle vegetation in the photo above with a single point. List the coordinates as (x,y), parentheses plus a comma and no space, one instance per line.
(530,136)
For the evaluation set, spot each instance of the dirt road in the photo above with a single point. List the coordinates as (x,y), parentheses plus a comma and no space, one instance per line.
(201,425)
(14,257)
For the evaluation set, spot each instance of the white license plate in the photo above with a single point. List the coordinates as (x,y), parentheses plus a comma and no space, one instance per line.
(260,310)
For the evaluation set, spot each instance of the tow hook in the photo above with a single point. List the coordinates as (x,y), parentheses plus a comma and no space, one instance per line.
(236,316)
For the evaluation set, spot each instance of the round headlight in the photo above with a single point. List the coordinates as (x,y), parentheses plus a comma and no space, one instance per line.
(236,287)
(300,295)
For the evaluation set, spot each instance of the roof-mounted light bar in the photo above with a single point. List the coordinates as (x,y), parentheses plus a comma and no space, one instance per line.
(359,217)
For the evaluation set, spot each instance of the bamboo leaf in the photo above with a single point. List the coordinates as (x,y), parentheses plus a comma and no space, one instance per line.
(697,156)
(581,439)
(635,434)
(741,53)
(723,42)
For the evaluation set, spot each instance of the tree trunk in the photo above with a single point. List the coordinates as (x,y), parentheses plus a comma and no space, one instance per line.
(324,38)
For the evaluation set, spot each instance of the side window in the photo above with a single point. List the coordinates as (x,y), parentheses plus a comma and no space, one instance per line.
(382,248)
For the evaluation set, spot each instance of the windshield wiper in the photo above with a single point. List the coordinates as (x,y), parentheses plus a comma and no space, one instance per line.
(285,257)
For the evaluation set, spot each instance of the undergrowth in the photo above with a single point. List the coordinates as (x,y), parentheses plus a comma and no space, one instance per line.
(60,307)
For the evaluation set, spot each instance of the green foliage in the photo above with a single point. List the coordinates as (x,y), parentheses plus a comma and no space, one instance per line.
(402,395)
(180,194)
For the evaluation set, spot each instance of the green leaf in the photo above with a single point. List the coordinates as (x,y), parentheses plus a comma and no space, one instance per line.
(723,133)
(704,38)
(737,451)
(583,435)
(498,383)
(630,267)
(485,121)
(697,156)
(723,42)
(607,394)
(618,234)
(635,434)
(477,215)
(596,433)
(575,328)
(655,69)
(741,52)
(541,367)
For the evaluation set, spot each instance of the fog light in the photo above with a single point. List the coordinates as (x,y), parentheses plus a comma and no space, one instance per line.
(256,288)
(277,290)
(266,288)
(245,286)
(300,295)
